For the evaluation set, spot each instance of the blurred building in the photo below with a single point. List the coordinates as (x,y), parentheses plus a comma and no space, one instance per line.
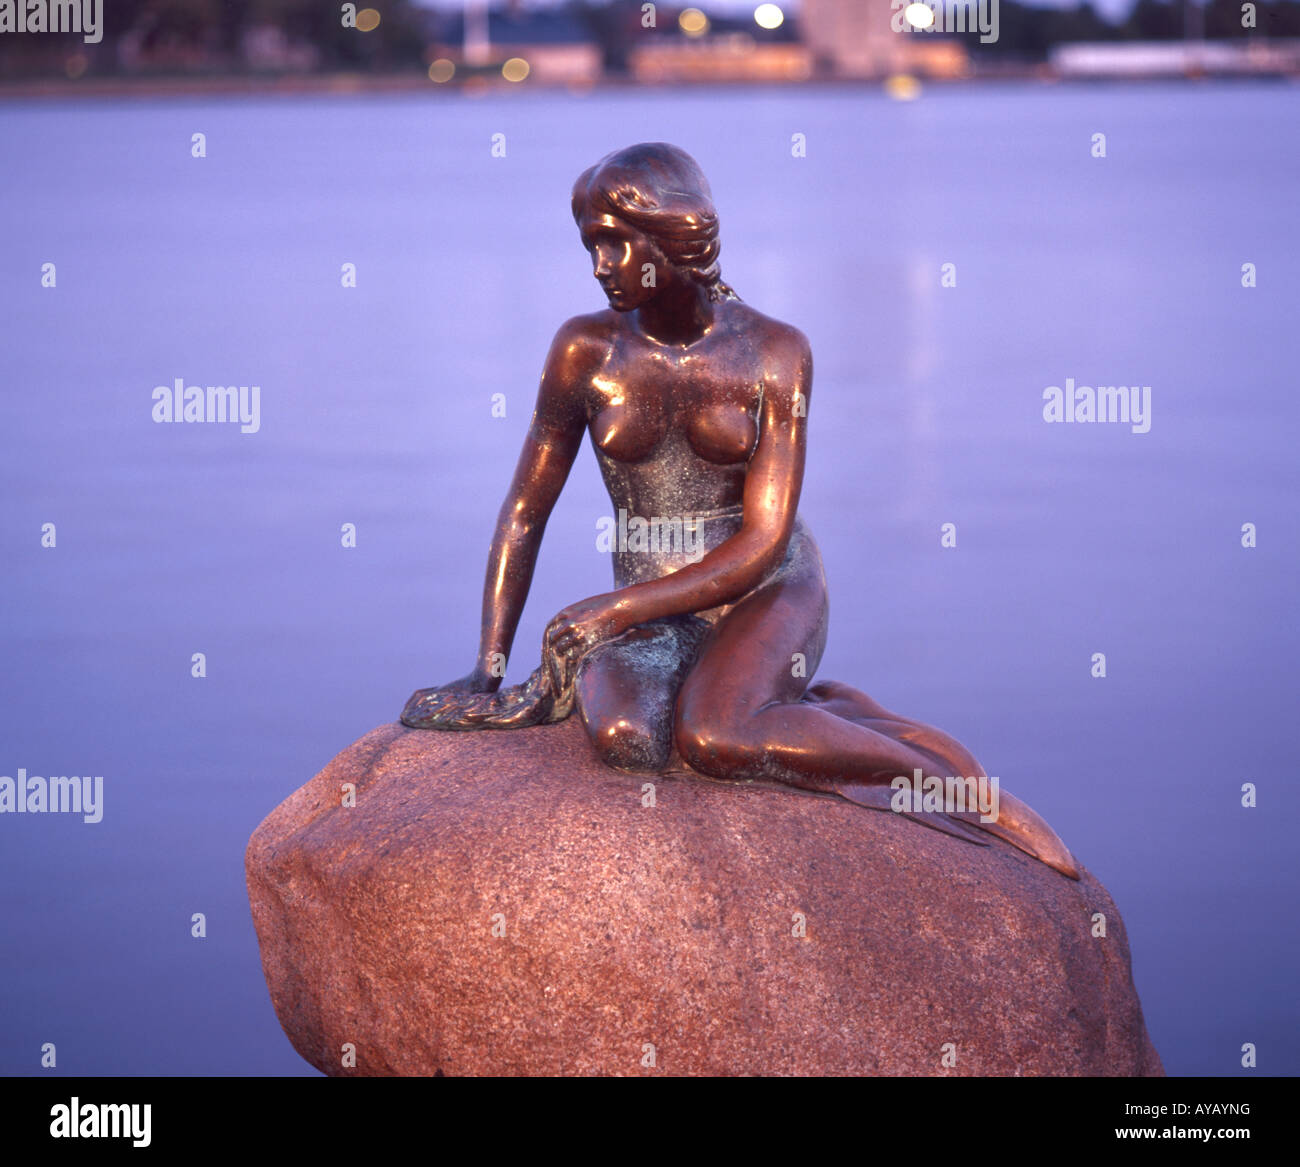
(720,58)
(557,47)
(267,47)
(1192,58)
(584,43)
(856,39)
(851,38)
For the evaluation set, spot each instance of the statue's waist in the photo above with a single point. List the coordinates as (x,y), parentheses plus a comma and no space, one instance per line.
(650,547)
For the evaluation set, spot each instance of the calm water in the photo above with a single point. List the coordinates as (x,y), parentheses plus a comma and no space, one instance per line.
(376,409)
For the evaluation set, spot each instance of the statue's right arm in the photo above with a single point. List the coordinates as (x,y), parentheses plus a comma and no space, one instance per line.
(554,437)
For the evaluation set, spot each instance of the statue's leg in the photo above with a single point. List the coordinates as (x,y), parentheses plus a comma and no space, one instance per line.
(854,705)
(627,687)
(742,713)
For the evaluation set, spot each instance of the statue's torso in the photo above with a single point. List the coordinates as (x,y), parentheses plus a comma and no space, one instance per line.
(673,430)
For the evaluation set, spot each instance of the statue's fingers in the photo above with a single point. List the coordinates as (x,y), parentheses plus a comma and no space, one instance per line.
(426,704)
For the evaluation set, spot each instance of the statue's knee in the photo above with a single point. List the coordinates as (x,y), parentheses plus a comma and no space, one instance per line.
(716,744)
(628,745)
(700,746)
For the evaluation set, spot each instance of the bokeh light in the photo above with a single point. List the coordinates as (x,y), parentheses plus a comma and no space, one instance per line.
(768,16)
(515,69)
(919,15)
(902,87)
(442,70)
(693,22)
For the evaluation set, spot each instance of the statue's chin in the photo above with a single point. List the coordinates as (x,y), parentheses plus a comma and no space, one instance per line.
(619,303)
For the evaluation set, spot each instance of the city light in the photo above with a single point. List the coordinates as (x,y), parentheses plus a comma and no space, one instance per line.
(367,20)
(515,69)
(442,70)
(919,15)
(693,22)
(768,16)
(902,87)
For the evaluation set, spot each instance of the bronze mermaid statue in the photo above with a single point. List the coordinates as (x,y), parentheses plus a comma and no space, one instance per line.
(697,408)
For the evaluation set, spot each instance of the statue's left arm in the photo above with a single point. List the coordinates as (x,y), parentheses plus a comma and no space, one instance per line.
(773,481)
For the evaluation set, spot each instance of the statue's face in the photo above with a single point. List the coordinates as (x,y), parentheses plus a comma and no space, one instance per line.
(626,262)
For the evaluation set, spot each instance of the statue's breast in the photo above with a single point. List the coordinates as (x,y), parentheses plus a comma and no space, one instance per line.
(630,426)
(723,432)
(718,423)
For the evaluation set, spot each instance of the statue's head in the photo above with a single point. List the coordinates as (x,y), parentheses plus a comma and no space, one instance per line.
(648,204)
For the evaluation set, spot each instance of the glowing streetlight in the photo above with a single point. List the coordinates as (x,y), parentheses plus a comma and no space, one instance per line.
(919,15)
(768,16)
(515,69)
(693,22)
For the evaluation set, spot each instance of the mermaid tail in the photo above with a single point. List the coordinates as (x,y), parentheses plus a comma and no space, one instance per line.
(1016,821)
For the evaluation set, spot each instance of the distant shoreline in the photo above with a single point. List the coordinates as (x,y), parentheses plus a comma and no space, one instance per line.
(343,84)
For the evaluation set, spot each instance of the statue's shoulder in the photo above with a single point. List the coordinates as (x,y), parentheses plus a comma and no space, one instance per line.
(778,337)
(785,350)
(589,328)
(580,344)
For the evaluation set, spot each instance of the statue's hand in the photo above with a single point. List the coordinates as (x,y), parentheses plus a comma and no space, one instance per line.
(426,705)
(582,626)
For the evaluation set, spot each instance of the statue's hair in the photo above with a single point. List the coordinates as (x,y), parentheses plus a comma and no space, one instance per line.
(661,190)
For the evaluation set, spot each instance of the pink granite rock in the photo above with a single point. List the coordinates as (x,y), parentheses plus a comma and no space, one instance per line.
(502,903)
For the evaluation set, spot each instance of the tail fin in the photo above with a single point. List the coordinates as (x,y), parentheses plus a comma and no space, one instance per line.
(1020,826)
(1016,823)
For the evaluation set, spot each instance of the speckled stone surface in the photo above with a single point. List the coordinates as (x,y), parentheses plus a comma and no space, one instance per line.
(502,903)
